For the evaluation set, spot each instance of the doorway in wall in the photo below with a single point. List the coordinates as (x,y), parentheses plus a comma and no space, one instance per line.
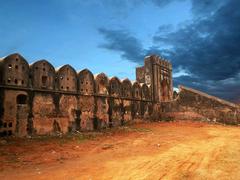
(21,115)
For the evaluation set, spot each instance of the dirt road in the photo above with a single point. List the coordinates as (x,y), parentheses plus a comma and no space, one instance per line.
(176,150)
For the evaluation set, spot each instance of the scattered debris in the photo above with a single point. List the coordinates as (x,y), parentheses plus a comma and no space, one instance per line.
(107,146)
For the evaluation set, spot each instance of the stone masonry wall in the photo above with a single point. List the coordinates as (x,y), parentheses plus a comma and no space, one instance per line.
(39,99)
(195,105)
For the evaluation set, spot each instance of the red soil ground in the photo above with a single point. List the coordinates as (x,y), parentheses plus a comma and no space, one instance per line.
(174,150)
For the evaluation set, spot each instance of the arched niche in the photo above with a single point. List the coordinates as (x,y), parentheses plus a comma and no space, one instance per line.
(42,75)
(67,78)
(102,83)
(165,90)
(136,90)
(86,82)
(15,70)
(145,92)
(115,87)
(126,88)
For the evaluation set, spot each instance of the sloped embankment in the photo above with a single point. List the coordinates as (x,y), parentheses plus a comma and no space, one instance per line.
(196,105)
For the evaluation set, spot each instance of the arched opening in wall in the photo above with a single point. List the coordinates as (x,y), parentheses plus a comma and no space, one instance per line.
(56,127)
(44,81)
(21,99)
(165,92)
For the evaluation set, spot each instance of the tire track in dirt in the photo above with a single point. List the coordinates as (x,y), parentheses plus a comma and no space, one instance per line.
(181,161)
(172,151)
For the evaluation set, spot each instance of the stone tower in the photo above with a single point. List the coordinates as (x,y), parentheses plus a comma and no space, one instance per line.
(157,74)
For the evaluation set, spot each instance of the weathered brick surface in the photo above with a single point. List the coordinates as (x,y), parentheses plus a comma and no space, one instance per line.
(102,116)
(116,113)
(87,109)
(44,113)
(193,104)
(37,99)
(15,115)
(68,106)
(127,111)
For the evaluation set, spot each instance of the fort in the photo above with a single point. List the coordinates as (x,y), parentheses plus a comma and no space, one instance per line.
(38,99)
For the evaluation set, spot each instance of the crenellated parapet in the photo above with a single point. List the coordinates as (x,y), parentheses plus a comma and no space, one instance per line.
(14,71)
(66,79)
(41,75)
(40,99)
(157,73)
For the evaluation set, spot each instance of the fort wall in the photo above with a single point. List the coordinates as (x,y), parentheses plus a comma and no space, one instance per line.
(196,105)
(39,99)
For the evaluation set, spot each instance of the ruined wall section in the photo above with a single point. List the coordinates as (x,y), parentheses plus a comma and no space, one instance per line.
(86,99)
(15,112)
(68,112)
(115,103)
(101,101)
(195,105)
(46,101)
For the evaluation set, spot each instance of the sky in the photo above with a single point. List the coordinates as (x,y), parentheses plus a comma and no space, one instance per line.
(200,37)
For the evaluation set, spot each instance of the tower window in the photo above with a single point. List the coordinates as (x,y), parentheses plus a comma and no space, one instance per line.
(67,88)
(22,81)
(44,69)
(16,81)
(9,80)
(16,67)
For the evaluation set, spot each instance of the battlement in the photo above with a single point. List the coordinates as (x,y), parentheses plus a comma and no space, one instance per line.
(40,99)
(41,75)
(157,73)
(158,60)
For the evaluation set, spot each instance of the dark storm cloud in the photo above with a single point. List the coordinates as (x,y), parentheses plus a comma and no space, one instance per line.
(207,47)
(121,41)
